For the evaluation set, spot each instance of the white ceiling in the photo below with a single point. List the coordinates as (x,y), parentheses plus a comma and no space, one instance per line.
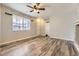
(52,9)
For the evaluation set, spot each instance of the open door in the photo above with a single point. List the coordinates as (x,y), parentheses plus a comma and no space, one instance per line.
(77,34)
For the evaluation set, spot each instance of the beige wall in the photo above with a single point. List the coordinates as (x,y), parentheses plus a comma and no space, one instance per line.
(0,23)
(63,27)
(7,34)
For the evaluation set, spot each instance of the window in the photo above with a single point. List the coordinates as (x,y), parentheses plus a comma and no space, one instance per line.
(20,23)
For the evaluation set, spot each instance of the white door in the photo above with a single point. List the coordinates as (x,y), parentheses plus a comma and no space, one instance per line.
(47,28)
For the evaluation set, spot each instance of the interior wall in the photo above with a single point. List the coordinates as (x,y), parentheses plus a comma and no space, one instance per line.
(0,23)
(7,34)
(63,27)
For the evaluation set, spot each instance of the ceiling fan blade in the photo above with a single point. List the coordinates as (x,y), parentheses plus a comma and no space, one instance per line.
(29,6)
(31,10)
(41,8)
(37,4)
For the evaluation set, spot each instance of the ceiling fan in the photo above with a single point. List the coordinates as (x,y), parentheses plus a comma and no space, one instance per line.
(36,8)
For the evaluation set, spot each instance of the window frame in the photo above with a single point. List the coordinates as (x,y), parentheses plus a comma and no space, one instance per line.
(21,23)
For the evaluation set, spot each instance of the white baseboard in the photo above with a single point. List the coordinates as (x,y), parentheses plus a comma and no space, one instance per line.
(62,38)
(18,40)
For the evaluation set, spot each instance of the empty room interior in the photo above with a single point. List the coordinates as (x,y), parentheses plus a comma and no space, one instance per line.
(39,29)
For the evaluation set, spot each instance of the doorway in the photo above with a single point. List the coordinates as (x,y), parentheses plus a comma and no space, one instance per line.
(77,34)
(47,28)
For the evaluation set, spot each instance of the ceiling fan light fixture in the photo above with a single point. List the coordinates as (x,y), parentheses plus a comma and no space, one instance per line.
(36,8)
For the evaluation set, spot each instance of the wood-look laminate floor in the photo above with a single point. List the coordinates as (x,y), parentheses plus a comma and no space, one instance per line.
(41,46)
